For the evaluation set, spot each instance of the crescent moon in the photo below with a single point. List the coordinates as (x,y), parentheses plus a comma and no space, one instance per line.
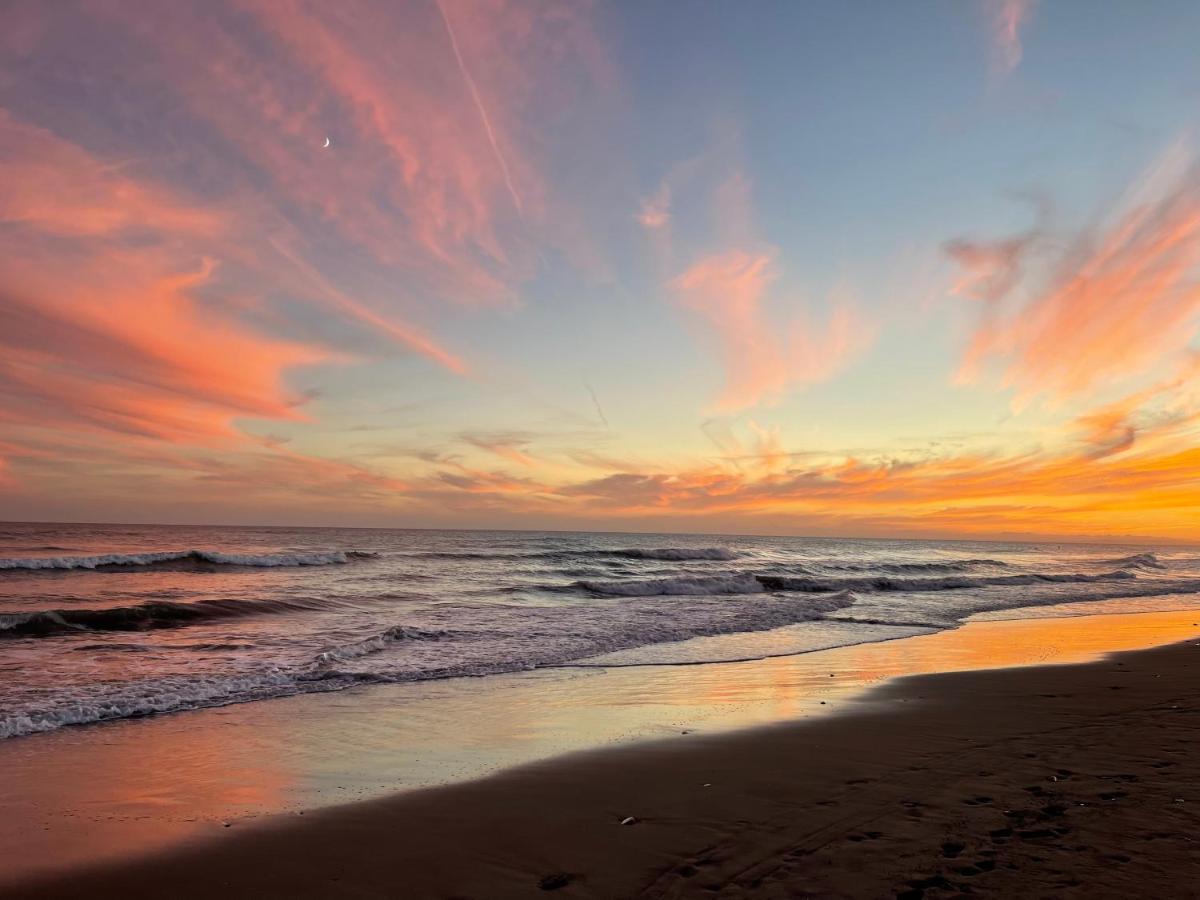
(326,144)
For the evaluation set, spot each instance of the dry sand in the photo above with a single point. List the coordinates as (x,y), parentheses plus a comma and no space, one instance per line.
(1055,781)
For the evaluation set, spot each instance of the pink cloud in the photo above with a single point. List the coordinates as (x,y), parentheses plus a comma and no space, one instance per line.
(57,188)
(157,250)
(436,116)
(1006,18)
(655,211)
(652,216)
(121,344)
(728,292)
(101,319)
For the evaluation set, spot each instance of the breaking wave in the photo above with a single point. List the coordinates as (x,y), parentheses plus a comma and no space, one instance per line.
(1137,561)
(646,622)
(209,557)
(139,617)
(947,583)
(377,643)
(174,634)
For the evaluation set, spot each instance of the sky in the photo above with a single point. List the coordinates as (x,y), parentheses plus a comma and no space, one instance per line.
(920,269)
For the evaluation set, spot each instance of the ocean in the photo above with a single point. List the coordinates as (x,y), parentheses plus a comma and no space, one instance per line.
(107,622)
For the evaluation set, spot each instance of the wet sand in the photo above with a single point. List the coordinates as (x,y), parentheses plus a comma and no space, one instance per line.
(1051,781)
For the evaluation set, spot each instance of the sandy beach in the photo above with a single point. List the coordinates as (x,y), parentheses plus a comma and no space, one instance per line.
(1044,781)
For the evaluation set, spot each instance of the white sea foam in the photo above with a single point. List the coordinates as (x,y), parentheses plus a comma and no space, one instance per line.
(142,699)
(517,638)
(377,643)
(946,583)
(588,631)
(444,605)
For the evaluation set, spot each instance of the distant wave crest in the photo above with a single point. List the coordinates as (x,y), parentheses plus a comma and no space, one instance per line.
(665,554)
(1137,561)
(946,583)
(210,557)
(905,568)
(678,553)
(749,583)
(689,585)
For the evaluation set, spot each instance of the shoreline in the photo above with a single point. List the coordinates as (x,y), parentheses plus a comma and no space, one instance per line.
(772,789)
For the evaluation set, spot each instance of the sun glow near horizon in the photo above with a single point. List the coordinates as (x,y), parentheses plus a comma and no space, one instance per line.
(800,269)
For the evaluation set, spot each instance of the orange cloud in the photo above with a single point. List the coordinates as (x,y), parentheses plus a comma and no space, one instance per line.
(728,292)
(1109,430)
(1116,305)
(768,449)
(509,446)
(1128,467)
(1159,411)
(1052,493)
(101,318)
(123,345)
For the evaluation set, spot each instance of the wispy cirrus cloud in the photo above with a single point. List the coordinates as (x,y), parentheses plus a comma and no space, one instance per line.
(175,254)
(1114,304)
(428,110)
(431,113)
(52,186)
(172,477)
(512,446)
(762,359)
(101,316)
(56,198)
(122,345)
(1157,413)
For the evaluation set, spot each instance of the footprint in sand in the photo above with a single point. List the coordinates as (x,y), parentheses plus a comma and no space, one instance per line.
(556,881)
